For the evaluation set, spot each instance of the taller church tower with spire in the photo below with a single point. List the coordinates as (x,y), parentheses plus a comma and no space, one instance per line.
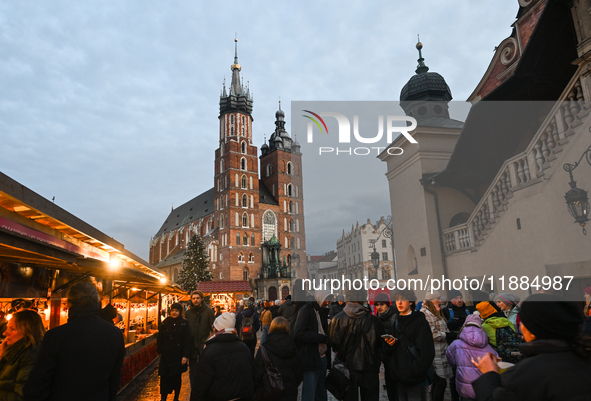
(252,226)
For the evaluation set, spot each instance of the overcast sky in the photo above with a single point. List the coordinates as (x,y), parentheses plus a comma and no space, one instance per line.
(112,107)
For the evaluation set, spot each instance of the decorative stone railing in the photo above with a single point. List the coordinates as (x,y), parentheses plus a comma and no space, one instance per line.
(521,171)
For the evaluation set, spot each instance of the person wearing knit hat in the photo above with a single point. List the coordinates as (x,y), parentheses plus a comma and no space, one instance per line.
(471,343)
(225,323)
(509,304)
(174,345)
(501,333)
(557,363)
(441,337)
(226,367)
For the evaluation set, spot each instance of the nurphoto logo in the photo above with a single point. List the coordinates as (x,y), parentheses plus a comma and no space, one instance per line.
(401,125)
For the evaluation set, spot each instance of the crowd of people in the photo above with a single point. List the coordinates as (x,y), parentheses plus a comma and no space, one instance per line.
(497,349)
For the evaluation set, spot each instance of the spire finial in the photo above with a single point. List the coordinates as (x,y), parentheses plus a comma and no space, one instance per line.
(279,102)
(421,68)
(236,65)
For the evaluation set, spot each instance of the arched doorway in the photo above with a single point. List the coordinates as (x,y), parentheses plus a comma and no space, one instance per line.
(272,293)
(284,292)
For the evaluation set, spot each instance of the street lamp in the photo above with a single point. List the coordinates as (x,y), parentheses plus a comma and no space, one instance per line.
(375,256)
(577,200)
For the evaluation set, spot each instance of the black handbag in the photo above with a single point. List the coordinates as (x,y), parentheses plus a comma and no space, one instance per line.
(272,385)
(338,381)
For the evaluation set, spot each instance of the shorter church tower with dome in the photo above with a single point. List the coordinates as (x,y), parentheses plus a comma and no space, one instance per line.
(252,220)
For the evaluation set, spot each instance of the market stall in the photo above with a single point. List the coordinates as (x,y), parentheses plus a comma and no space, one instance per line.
(225,294)
(44,250)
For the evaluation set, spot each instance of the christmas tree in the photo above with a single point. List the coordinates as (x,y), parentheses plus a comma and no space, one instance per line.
(195,264)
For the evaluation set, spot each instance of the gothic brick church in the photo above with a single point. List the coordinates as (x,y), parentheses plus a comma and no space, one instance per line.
(252,223)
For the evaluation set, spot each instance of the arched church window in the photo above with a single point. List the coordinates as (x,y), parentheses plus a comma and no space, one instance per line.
(243,143)
(244,200)
(289,169)
(244,182)
(245,239)
(269,225)
(252,241)
(243,164)
(245,274)
(245,220)
(289,190)
(237,238)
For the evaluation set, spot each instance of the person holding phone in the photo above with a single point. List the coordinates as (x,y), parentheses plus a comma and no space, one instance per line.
(412,353)
(385,312)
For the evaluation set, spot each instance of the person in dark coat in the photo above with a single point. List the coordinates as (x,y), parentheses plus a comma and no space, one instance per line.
(287,309)
(355,335)
(412,332)
(200,318)
(174,346)
(226,368)
(311,340)
(284,356)
(80,360)
(385,312)
(248,314)
(557,363)
(337,307)
(108,313)
(275,308)
(18,352)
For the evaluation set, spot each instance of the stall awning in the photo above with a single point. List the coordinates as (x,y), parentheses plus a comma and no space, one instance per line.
(35,232)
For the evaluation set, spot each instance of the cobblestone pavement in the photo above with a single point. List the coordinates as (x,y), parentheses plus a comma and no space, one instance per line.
(146,387)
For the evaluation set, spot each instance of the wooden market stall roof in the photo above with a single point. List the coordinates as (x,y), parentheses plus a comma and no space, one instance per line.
(36,232)
(213,287)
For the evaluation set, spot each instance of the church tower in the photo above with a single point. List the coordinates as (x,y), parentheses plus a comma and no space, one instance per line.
(281,165)
(236,184)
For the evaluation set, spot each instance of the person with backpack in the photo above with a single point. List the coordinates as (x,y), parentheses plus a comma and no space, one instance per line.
(355,335)
(247,325)
(471,344)
(311,336)
(266,318)
(500,331)
(412,351)
(557,360)
(441,334)
(283,355)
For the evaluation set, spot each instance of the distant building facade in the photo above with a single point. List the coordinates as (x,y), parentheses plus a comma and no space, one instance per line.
(354,251)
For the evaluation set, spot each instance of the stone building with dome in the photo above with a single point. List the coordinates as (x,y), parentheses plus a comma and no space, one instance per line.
(252,220)
(487,197)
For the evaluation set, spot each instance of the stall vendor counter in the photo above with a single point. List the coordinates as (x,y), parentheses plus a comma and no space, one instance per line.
(138,356)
